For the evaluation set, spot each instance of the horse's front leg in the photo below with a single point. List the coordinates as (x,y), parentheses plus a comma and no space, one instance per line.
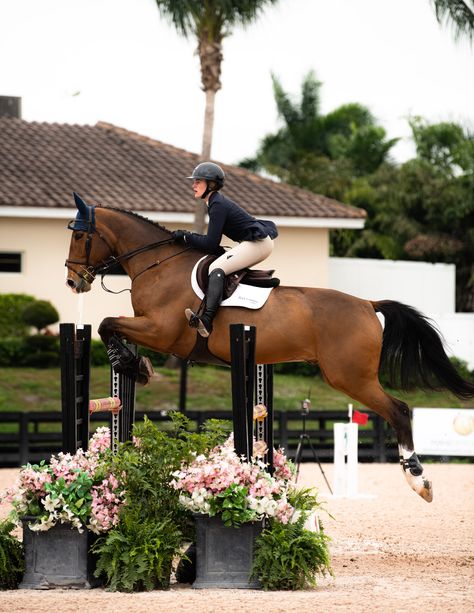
(113,331)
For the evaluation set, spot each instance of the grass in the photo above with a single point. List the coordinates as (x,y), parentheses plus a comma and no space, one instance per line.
(29,389)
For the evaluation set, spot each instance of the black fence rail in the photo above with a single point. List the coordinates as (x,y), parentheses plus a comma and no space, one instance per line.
(34,436)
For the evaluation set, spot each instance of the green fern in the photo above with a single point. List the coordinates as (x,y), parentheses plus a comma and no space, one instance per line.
(12,564)
(288,557)
(138,553)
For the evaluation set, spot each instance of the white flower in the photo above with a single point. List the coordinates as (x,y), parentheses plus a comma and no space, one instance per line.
(295,517)
(50,504)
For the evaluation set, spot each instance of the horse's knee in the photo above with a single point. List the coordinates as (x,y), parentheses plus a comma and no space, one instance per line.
(106,328)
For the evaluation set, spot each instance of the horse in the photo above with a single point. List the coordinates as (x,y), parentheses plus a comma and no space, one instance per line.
(340,333)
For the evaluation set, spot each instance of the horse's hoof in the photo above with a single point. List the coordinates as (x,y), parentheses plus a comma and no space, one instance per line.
(426,492)
(145,371)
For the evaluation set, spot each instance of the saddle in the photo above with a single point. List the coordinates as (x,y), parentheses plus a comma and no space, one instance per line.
(249,276)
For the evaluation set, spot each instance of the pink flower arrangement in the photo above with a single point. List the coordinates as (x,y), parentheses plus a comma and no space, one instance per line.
(214,483)
(70,489)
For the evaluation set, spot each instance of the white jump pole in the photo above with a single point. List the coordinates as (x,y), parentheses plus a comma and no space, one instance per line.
(345,483)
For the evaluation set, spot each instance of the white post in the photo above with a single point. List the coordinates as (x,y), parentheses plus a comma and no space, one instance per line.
(352,479)
(339,479)
(345,483)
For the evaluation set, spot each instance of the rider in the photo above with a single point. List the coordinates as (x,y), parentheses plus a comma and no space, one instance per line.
(255,238)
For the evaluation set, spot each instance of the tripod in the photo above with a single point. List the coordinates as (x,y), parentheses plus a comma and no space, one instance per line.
(304,437)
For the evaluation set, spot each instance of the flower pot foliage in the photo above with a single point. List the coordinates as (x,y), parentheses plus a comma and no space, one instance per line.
(222,483)
(288,555)
(137,554)
(77,489)
(12,563)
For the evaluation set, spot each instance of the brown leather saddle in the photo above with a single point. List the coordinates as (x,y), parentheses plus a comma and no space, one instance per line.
(249,276)
(200,353)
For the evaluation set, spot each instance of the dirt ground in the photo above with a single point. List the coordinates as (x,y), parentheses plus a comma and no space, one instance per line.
(391,552)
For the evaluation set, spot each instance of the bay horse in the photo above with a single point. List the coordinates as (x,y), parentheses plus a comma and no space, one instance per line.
(339,332)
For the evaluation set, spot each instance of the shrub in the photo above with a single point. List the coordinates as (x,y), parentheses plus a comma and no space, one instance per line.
(11,308)
(99,355)
(288,556)
(12,352)
(40,314)
(12,563)
(41,351)
(156,358)
(303,369)
(137,554)
(462,367)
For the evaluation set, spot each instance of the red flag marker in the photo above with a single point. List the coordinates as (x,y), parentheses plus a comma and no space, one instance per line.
(360,418)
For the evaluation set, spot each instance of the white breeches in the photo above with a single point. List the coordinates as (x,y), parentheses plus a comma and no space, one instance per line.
(243,255)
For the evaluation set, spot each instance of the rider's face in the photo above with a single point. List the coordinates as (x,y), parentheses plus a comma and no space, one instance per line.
(199,187)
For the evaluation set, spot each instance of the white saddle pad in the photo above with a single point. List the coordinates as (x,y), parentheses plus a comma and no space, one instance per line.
(246,296)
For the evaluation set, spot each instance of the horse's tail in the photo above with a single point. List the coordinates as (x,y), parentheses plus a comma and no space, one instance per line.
(413,354)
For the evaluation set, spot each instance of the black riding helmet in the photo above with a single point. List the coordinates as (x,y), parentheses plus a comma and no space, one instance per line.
(210,172)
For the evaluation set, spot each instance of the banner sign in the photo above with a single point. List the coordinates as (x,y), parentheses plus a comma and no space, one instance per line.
(443,432)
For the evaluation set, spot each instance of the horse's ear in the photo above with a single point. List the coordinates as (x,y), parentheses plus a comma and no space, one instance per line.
(81,205)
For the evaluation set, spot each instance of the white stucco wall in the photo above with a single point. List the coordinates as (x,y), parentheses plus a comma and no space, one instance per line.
(458,334)
(428,287)
(44,246)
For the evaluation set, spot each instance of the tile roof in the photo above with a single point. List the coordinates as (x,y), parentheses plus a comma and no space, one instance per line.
(42,163)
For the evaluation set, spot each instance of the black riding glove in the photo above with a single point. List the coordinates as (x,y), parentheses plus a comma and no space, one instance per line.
(179,236)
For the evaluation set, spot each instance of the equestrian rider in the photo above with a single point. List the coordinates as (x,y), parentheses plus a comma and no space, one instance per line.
(254,238)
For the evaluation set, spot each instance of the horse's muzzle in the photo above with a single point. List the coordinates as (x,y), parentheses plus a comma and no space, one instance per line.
(78,286)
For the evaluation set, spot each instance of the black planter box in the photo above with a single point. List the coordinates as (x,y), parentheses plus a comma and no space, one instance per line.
(58,558)
(224,555)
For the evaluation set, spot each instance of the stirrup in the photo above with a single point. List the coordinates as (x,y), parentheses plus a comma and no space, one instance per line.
(195,322)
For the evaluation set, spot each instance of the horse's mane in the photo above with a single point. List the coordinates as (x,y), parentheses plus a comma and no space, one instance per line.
(137,215)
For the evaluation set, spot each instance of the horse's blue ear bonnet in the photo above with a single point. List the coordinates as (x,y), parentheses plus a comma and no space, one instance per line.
(85,218)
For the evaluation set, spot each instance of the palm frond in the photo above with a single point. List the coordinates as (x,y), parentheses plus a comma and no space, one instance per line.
(457,13)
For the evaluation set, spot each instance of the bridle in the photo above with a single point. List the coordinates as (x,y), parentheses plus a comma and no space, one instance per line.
(88,272)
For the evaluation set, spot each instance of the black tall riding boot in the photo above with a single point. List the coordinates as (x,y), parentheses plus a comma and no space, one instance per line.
(215,289)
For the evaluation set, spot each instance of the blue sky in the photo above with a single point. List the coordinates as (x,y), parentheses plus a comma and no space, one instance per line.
(83,61)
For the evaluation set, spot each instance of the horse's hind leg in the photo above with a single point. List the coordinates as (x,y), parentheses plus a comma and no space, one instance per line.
(363,386)
(398,416)
(400,419)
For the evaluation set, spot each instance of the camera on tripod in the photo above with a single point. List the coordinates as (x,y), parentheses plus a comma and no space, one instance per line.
(305,407)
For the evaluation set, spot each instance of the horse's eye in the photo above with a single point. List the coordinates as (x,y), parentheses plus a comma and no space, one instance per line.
(78,235)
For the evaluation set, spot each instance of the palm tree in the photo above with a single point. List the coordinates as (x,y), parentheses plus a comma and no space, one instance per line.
(210,21)
(456,13)
(309,143)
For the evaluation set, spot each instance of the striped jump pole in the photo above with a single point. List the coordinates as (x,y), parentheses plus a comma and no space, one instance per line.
(75,344)
(252,397)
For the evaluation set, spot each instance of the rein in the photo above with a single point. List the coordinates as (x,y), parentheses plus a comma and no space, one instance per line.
(105,269)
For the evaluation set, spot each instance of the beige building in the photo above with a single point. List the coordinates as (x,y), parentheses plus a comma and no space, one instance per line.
(42,164)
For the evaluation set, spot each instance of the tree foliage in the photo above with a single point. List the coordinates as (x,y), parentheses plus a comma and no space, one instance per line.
(458,14)
(343,143)
(420,210)
(423,209)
